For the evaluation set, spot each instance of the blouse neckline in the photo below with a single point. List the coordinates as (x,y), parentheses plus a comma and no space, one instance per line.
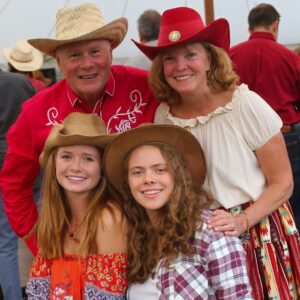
(204,119)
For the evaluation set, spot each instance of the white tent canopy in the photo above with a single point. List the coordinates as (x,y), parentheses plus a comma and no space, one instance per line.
(36,18)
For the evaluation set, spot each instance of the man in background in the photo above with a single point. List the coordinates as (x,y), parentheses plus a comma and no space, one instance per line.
(148,28)
(273,71)
(14,90)
(24,59)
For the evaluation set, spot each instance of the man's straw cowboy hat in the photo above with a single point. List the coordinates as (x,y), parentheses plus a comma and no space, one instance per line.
(81,23)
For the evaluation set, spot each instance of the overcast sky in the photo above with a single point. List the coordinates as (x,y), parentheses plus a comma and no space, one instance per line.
(23,19)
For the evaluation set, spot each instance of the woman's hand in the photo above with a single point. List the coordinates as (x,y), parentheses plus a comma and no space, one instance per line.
(229,224)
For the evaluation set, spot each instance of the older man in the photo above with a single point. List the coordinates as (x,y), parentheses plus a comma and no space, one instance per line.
(120,95)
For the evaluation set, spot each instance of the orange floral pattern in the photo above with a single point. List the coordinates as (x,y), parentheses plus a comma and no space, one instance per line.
(94,277)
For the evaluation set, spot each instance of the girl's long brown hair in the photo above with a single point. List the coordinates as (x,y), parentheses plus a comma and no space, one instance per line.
(52,223)
(178,220)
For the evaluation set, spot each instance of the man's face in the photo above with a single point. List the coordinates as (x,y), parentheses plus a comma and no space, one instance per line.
(86,66)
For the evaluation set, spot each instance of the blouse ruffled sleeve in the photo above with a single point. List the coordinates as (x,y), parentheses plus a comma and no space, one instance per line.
(259,122)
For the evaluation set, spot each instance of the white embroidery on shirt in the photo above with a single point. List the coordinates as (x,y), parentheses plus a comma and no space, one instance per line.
(120,121)
(125,119)
(52,115)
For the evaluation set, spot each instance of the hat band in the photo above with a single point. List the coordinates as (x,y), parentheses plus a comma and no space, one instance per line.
(22,57)
(185,30)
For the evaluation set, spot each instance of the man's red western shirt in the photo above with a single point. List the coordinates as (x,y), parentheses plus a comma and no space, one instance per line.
(271,70)
(125,102)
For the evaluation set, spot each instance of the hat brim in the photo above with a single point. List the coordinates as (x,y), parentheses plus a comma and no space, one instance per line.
(177,137)
(216,33)
(33,65)
(114,32)
(60,140)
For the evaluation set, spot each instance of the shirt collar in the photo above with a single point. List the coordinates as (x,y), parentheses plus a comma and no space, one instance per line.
(109,89)
(262,35)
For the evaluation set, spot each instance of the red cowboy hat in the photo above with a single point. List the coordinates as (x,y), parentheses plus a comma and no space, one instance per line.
(182,25)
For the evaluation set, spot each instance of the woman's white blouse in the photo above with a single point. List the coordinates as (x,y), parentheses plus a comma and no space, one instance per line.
(229,137)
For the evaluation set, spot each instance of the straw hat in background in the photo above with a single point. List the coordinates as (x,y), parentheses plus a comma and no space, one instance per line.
(23,57)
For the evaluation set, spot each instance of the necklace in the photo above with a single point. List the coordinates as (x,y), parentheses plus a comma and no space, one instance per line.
(73,238)
(73,230)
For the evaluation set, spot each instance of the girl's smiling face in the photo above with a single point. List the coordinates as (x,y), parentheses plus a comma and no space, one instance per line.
(149,178)
(78,168)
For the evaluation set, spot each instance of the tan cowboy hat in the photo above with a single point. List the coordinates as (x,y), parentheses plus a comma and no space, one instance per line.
(76,129)
(81,23)
(179,138)
(23,57)
(182,25)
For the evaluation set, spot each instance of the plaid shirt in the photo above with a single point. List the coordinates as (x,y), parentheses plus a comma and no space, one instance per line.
(217,270)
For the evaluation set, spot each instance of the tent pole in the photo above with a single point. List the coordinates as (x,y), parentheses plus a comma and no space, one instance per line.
(209,11)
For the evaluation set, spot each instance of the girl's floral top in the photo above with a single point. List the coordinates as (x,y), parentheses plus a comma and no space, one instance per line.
(100,276)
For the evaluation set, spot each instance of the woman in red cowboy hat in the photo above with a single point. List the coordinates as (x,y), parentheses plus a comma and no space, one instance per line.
(248,169)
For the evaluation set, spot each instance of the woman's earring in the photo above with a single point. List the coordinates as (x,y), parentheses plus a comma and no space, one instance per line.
(208,78)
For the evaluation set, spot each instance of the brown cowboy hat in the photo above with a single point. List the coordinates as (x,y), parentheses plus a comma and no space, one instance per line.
(182,25)
(180,139)
(76,129)
(23,57)
(81,23)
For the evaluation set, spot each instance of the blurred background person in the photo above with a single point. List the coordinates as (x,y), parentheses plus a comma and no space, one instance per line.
(14,90)
(39,74)
(148,28)
(273,71)
(23,58)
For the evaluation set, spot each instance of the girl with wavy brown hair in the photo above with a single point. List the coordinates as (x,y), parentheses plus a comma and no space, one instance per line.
(159,170)
(81,231)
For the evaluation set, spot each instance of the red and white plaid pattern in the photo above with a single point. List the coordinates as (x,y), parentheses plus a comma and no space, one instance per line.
(217,270)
